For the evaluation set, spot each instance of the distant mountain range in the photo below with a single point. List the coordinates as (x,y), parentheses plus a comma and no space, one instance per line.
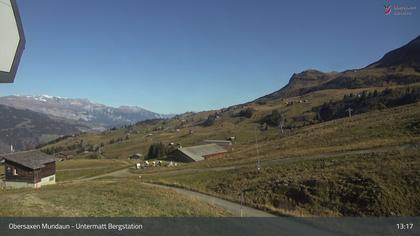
(398,67)
(94,115)
(26,121)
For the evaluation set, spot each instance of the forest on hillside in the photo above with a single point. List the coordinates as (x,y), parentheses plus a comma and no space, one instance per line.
(365,102)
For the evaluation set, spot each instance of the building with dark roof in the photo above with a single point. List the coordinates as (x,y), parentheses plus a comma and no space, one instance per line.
(29,169)
(197,153)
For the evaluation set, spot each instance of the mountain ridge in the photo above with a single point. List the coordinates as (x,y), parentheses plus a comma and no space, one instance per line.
(407,55)
(25,129)
(399,66)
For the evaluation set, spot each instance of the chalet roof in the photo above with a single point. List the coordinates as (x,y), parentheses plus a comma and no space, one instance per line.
(30,159)
(220,142)
(197,153)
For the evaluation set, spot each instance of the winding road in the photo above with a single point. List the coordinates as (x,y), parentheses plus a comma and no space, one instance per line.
(273,225)
(235,208)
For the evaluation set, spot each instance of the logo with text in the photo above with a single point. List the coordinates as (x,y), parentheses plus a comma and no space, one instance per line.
(387,6)
(398,9)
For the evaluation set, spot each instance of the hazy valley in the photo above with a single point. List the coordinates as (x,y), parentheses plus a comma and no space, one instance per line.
(28,121)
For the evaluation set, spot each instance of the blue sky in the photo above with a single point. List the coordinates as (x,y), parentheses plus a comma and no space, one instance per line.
(172,56)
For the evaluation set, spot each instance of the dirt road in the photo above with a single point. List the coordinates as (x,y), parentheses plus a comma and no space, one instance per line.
(235,208)
(116,174)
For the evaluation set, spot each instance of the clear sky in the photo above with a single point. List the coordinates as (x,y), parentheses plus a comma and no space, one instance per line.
(172,56)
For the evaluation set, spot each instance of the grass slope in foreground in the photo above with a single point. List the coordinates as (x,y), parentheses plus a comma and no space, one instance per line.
(102,198)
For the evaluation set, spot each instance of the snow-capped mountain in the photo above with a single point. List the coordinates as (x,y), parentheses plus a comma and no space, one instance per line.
(94,114)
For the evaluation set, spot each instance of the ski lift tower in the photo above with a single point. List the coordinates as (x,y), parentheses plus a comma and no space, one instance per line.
(258,153)
(12,40)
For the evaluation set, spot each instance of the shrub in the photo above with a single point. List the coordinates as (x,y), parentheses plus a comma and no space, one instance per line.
(156,150)
(274,119)
(211,119)
(248,113)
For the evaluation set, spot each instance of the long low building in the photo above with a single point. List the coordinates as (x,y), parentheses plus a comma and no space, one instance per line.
(29,169)
(197,153)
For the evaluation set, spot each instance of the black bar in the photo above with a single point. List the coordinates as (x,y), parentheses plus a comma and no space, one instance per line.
(322,226)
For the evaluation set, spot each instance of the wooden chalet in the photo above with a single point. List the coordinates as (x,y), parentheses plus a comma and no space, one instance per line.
(29,169)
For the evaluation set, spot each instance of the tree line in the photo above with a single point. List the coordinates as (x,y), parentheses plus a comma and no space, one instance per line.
(366,101)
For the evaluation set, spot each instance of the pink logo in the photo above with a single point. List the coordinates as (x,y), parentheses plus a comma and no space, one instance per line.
(387,7)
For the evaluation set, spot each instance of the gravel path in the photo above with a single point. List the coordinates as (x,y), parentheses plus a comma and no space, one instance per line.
(234,208)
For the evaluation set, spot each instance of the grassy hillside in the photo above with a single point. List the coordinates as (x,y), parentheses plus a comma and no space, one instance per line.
(385,184)
(102,198)
(298,178)
(378,128)
(311,80)
(26,129)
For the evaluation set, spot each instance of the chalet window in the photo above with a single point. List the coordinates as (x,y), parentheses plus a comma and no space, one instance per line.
(52,178)
(15,171)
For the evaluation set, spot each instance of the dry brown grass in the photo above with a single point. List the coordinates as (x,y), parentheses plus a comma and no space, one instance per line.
(102,198)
